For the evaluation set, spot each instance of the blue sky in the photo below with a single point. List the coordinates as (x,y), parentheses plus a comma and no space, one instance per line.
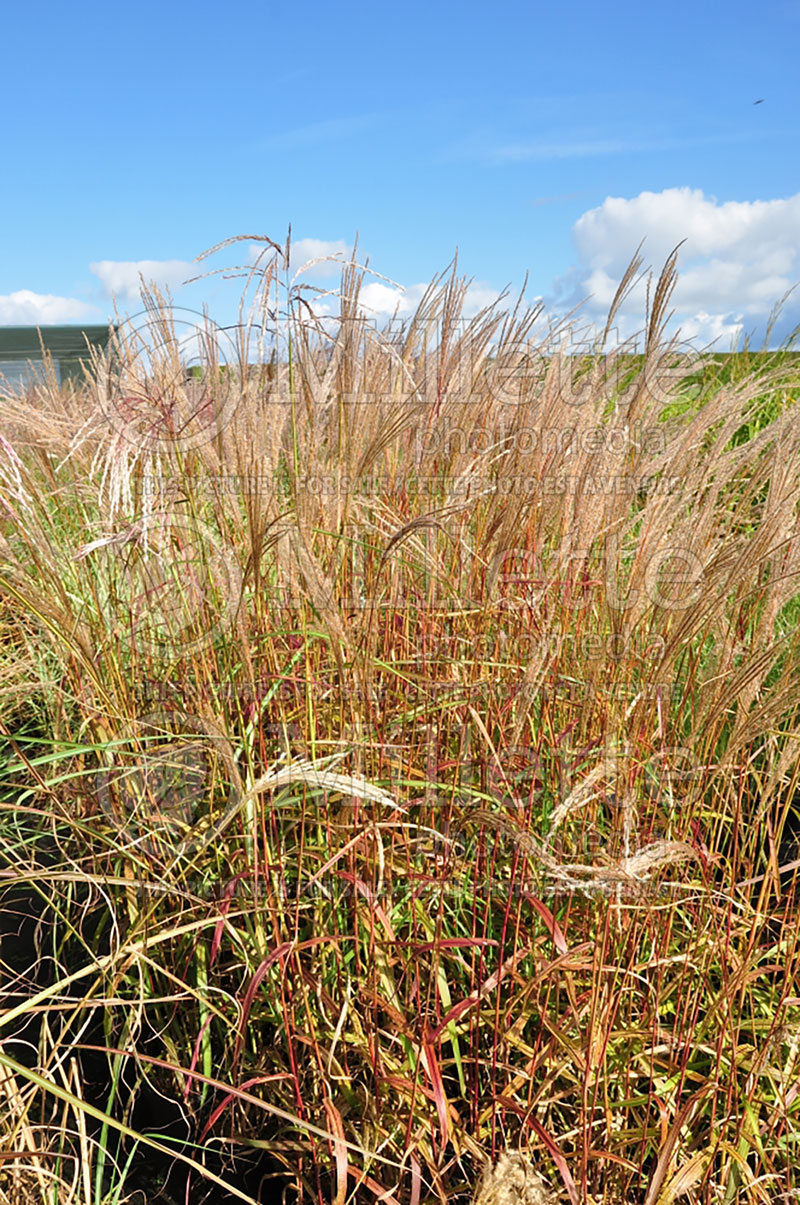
(533,137)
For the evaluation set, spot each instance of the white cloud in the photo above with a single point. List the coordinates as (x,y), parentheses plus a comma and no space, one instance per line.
(306,249)
(572,143)
(303,251)
(378,300)
(478,297)
(319,131)
(25,308)
(522,152)
(121,278)
(738,260)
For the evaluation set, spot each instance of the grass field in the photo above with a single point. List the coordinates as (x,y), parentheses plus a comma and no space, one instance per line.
(399,767)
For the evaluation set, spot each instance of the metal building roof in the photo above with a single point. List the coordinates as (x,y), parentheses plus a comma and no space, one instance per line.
(24,343)
(21,351)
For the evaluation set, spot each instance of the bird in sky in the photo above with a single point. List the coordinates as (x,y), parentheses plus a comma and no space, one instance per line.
(759,102)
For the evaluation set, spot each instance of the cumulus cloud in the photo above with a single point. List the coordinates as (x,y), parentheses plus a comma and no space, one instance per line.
(383,300)
(332,252)
(121,278)
(307,249)
(379,301)
(738,260)
(25,308)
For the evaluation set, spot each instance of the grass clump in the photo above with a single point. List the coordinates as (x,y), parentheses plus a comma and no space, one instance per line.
(399,765)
